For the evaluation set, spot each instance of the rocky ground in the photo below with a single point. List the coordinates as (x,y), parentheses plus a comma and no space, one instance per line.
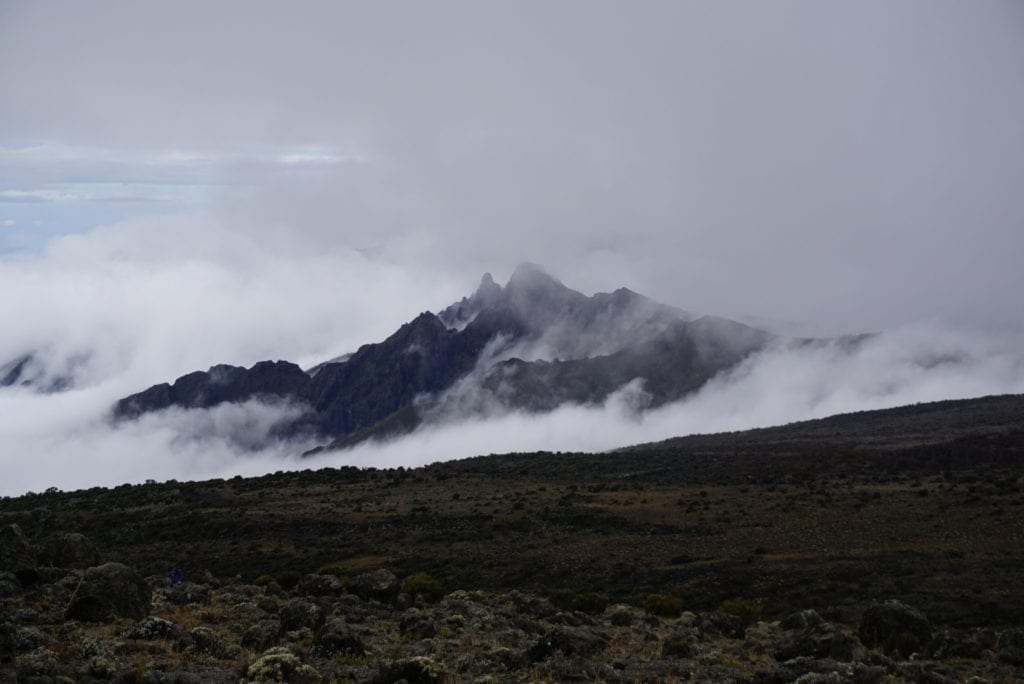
(886,546)
(106,622)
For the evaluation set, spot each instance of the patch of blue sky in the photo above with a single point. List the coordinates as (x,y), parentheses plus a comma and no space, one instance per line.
(30,217)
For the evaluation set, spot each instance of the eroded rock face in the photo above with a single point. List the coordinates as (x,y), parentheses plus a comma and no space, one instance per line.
(17,556)
(109,592)
(895,626)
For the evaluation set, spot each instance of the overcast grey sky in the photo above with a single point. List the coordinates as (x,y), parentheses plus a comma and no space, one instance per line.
(855,164)
(191,183)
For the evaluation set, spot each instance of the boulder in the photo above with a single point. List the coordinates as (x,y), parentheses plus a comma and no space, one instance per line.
(16,555)
(108,592)
(380,584)
(894,626)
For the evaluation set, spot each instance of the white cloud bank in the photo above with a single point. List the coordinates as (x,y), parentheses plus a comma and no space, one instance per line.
(64,440)
(845,167)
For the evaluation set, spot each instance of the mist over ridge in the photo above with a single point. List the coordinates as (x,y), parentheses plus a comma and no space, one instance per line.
(779,380)
(314,179)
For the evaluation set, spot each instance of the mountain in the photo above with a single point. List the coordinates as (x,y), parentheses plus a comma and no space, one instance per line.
(531,345)
(41,371)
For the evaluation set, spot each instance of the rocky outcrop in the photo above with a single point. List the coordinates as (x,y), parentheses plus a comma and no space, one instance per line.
(220,384)
(109,592)
(266,634)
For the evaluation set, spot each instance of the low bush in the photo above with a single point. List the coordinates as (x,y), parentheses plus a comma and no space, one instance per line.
(423,585)
(663,605)
(748,611)
(587,601)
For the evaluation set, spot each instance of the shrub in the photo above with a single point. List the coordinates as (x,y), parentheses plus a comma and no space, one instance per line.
(748,611)
(664,605)
(424,585)
(337,571)
(287,579)
(587,601)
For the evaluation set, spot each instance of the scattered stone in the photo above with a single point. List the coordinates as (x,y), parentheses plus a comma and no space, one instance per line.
(895,626)
(108,592)
(380,584)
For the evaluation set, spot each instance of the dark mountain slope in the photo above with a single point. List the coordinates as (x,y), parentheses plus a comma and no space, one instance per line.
(533,344)
(220,384)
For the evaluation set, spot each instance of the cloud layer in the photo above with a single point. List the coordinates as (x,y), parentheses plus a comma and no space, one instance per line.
(64,441)
(189,183)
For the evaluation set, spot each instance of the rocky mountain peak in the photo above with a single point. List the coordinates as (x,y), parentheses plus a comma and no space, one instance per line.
(530,276)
